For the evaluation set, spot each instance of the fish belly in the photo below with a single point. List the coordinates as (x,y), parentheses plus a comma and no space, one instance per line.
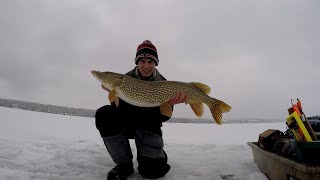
(135,102)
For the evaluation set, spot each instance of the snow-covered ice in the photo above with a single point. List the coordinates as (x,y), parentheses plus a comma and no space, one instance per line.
(38,145)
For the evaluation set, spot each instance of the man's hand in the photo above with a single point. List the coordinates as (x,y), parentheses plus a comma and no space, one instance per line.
(180,97)
(103,87)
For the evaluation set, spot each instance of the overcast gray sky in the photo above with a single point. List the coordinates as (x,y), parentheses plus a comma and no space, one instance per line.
(255,55)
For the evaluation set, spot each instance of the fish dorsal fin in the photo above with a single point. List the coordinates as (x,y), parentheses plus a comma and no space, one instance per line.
(203,87)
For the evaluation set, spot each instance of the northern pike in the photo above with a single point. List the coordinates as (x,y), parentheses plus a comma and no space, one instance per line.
(157,93)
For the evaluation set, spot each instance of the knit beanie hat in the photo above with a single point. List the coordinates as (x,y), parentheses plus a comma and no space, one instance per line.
(147,50)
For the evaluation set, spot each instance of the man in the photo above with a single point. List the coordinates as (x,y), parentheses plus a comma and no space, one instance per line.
(119,124)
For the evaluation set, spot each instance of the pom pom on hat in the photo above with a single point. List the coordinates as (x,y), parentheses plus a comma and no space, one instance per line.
(147,50)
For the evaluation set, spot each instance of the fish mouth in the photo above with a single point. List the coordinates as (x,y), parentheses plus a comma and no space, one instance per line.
(99,76)
(95,74)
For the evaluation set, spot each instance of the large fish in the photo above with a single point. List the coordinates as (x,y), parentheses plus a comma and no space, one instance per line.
(158,93)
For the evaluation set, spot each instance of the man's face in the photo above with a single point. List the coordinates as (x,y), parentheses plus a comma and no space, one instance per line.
(146,67)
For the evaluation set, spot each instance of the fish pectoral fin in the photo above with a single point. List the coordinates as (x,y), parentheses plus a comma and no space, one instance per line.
(166,109)
(116,101)
(112,95)
(197,109)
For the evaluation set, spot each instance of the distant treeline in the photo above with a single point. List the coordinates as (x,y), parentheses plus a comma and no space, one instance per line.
(32,106)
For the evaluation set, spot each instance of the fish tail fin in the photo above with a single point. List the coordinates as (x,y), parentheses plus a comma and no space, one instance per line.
(218,107)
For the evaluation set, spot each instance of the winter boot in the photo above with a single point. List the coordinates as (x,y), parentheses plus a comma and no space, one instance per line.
(152,168)
(120,172)
(154,172)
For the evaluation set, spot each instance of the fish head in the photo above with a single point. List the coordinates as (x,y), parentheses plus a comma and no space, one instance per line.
(109,79)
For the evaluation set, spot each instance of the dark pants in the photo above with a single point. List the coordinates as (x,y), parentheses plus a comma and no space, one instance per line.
(116,129)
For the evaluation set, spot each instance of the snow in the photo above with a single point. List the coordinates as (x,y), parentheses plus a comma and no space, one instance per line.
(37,145)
